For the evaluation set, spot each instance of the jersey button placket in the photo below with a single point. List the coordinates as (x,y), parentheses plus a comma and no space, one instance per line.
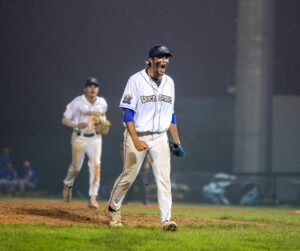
(159,106)
(155,119)
(157,111)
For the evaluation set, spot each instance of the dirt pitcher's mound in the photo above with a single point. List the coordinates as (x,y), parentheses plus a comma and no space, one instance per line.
(58,212)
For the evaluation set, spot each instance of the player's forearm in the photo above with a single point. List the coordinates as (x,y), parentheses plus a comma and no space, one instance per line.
(128,119)
(68,122)
(139,144)
(131,130)
(174,133)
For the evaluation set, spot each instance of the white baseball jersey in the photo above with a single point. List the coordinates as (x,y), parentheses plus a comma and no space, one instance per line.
(153,105)
(80,110)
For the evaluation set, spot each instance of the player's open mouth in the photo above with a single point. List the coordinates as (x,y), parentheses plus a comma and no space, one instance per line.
(163,66)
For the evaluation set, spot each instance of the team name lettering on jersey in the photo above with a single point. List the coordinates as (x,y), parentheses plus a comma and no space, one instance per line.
(152,98)
(165,98)
(146,99)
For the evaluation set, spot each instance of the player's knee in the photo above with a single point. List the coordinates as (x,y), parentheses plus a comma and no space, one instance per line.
(164,184)
(126,184)
(74,171)
(98,167)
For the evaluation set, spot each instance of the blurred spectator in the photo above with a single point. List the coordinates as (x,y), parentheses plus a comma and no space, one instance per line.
(7,172)
(10,179)
(28,180)
(3,181)
(2,172)
(10,172)
(5,157)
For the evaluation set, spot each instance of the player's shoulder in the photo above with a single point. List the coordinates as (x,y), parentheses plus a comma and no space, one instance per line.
(136,78)
(169,80)
(101,101)
(138,75)
(77,99)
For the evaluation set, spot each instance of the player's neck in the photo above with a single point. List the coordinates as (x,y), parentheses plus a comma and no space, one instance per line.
(92,100)
(151,73)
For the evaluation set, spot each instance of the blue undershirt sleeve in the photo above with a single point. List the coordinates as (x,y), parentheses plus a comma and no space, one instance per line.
(128,115)
(173,118)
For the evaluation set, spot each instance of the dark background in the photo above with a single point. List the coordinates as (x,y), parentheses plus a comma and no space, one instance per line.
(49,48)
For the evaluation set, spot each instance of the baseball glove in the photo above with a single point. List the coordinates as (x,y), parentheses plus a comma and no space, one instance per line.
(103,126)
(176,149)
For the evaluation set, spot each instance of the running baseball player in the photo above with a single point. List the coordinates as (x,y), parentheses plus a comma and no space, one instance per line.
(83,114)
(148,108)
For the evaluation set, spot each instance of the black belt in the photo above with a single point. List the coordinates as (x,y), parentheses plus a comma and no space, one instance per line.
(88,135)
(147,133)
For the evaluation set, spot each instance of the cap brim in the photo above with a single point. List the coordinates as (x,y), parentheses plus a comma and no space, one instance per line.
(160,55)
(90,84)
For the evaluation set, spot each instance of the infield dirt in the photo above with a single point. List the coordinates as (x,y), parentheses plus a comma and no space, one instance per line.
(58,212)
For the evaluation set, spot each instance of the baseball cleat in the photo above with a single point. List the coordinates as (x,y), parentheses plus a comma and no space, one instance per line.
(169,226)
(67,193)
(93,203)
(115,219)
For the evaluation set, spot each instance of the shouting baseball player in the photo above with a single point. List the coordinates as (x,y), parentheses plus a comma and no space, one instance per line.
(84,114)
(148,109)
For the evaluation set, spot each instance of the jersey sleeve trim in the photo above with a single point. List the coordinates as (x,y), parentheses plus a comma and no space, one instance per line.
(127,106)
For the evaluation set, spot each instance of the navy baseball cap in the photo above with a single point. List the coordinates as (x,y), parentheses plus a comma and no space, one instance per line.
(159,50)
(92,81)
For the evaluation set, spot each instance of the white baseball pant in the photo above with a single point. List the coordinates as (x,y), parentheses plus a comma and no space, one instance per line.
(92,146)
(159,152)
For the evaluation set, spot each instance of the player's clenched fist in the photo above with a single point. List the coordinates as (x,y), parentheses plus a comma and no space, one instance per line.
(140,145)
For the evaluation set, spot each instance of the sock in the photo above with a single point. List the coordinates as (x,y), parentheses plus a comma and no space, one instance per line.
(111,210)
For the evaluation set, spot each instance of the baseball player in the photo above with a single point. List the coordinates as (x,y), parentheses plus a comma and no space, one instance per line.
(82,114)
(148,108)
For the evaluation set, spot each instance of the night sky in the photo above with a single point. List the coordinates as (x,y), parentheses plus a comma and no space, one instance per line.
(50,47)
(287,48)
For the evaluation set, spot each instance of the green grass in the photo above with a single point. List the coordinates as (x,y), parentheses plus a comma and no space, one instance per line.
(278,229)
